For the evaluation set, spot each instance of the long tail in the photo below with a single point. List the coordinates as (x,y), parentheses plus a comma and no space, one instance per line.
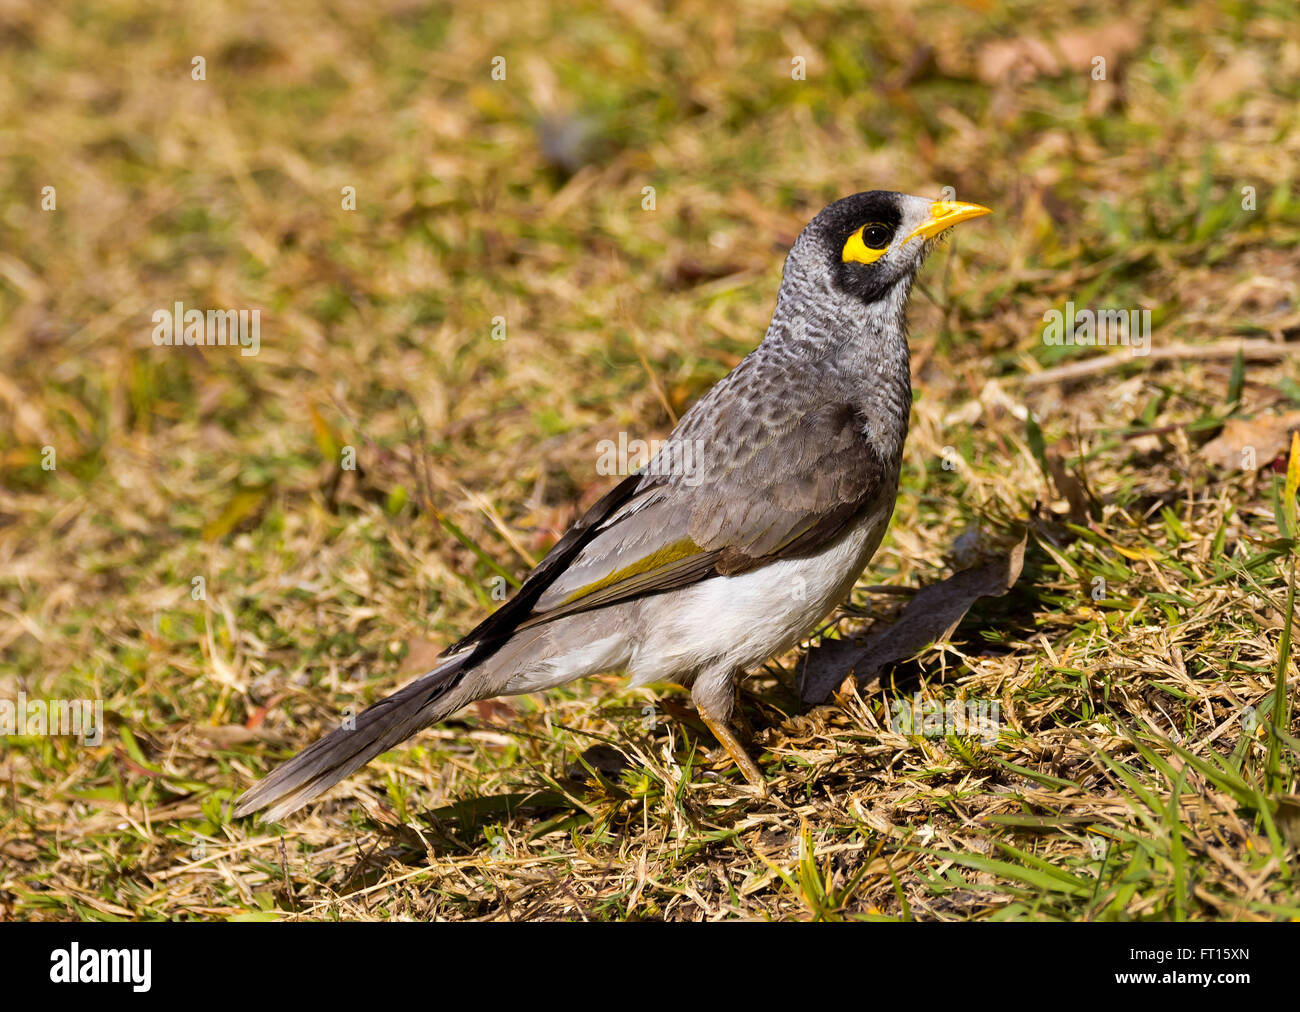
(342,752)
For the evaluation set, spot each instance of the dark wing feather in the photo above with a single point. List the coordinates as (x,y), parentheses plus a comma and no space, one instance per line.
(488,636)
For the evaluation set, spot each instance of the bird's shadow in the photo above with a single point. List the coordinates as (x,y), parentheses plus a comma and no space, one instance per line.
(992,627)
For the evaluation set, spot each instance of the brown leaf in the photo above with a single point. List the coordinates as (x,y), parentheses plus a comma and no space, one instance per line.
(421,656)
(495,710)
(1027,57)
(20,850)
(1267,435)
(1067,483)
(230,735)
(931,615)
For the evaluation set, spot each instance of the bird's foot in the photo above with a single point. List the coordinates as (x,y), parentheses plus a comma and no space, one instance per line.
(728,740)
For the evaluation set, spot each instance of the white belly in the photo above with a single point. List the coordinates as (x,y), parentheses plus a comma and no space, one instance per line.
(738,622)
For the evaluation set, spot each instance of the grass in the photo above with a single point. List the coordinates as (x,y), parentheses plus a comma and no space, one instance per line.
(200,559)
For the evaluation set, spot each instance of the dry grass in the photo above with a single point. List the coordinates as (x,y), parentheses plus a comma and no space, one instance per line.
(1123,785)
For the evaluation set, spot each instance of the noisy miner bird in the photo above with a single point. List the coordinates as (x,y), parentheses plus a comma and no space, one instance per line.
(749,525)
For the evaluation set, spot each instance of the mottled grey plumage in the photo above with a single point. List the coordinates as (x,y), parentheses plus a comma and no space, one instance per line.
(752,522)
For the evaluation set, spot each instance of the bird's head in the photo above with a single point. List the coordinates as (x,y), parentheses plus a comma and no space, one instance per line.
(874,240)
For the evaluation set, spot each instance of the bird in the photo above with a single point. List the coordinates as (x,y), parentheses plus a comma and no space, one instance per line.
(750,524)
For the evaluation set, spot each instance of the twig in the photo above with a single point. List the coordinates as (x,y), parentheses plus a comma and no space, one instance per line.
(1256,349)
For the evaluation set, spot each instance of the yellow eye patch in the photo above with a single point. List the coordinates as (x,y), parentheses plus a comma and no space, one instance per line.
(868,244)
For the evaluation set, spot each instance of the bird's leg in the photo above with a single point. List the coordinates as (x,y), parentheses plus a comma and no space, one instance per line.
(717,720)
(740,722)
(727,738)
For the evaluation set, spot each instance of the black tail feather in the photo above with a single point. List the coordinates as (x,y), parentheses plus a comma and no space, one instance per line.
(344,751)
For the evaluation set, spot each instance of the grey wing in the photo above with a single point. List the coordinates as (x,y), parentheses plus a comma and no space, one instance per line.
(771,492)
(791,492)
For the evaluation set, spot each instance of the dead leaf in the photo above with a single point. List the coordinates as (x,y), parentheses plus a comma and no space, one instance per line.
(230,735)
(1243,74)
(1266,435)
(20,850)
(1027,57)
(930,616)
(495,710)
(421,656)
(1067,483)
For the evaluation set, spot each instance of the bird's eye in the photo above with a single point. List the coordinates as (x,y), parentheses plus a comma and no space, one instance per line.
(876,236)
(868,243)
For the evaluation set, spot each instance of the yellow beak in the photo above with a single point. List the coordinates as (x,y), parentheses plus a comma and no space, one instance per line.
(944,214)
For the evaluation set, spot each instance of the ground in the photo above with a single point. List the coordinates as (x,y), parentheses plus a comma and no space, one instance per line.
(484,238)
